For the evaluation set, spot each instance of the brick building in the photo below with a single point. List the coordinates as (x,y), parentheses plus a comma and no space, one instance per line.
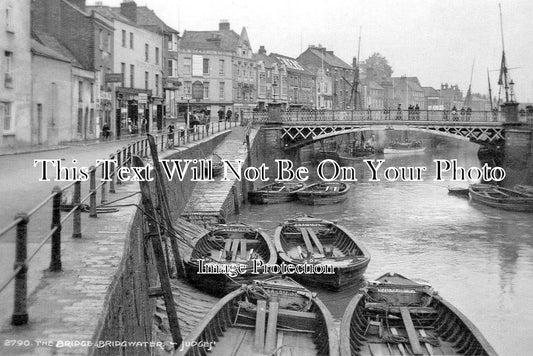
(16,125)
(271,80)
(340,72)
(89,38)
(407,91)
(220,64)
(301,82)
(138,99)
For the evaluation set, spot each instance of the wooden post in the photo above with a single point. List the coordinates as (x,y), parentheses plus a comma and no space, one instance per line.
(270,342)
(154,234)
(259,341)
(55,263)
(76,218)
(113,175)
(119,164)
(20,313)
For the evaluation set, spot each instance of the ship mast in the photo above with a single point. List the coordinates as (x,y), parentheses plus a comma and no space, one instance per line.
(503,80)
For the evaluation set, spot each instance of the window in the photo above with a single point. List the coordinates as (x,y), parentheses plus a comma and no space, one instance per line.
(206,90)
(123,38)
(157,85)
(262,84)
(92,92)
(146,80)
(220,67)
(91,121)
(123,71)
(157,55)
(187,87)
(206,66)
(80,91)
(6,115)
(173,42)
(146,52)
(172,68)
(131,40)
(8,76)
(109,42)
(132,75)
(187,65)
(9,19)
(221,89)
(101,40)
(80,120)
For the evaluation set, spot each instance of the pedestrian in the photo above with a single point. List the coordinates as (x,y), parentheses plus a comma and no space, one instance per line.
(228,115)
(130,126)
(454,114)
(417,112)
(463,113)
(144,125)
(170,137)
(106,131)
(468,113)
(220,113)
(399,112)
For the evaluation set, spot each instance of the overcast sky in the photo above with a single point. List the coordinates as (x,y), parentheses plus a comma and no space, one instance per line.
(436,40)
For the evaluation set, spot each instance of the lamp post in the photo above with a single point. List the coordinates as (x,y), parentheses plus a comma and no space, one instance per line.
(188,98)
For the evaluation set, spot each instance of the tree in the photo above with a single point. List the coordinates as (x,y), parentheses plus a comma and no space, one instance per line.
(376,68)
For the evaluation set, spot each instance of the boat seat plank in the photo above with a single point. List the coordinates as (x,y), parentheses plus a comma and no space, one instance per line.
(259,340)
(243,249)
(235,248)
(429,348)
(411,331)
(316,240)
(307,241)
(270,342)
(227,245)
(400,346)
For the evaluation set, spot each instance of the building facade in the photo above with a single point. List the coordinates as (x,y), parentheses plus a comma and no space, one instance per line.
(301,82)
(341,74)
(16,124)
(271,80)
(407,91)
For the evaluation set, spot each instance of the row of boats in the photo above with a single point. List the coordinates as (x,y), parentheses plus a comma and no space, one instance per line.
(270,314)
(520,198)
(314,194)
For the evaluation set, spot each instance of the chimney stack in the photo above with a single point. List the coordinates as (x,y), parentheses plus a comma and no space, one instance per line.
(262,50)
(223,25)
(78,3)
(128,8)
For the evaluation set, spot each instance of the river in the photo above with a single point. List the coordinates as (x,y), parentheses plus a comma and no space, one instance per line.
(478,258)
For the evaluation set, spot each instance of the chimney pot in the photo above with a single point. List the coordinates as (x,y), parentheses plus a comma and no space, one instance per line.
(223,25)
(128,8)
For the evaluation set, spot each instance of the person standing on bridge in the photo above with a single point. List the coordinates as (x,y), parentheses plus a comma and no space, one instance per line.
(399,112)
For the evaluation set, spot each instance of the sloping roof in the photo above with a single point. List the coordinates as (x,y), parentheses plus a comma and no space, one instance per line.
(147,18)
(111,13)
(412,83)
(430,92)
(42,50)
(290,63)
(265,58)
(50,42)
(329,57)
(373,85)
(226,40)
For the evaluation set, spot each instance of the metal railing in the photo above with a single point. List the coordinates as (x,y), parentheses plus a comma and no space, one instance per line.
(379,115)
(78,204)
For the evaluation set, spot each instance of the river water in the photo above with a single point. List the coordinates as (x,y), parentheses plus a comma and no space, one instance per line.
(478,258)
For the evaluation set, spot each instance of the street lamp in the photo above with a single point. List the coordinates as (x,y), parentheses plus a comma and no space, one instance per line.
(188,97)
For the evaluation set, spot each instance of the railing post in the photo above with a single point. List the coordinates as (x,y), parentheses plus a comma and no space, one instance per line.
(112,167)
(76,218)
(225,124)
(55,263)
(103,196)
(119,164)
(92,189)
(20,313)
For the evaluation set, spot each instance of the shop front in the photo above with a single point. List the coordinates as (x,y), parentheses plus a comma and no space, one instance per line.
(133,113)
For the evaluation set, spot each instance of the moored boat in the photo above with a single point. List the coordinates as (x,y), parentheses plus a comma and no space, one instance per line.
(275,193)
(528,189)
(404,148)
(337,257)
(217,164)
(276,316)
(395,315)
(323,193)
(502,198)
(461,191)
(221,251)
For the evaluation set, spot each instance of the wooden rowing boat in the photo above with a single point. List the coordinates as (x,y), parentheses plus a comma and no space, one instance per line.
(223,249)
(502,198)
(461,191)
(398,316)
(276,316)
(217,164)
(323,193)
(275,193)
(404,148)
(528,189)
(313,241)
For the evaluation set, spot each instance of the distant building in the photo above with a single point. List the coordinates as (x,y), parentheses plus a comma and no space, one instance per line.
(432,99)
(373,95)
(407,91)
(271,80)
(138,57)
(301,82)
(340,72)
(16,125)
(324,90)
(221,65)
(451,96)
(89,38)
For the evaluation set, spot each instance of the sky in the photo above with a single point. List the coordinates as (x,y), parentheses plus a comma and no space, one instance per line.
(435,40)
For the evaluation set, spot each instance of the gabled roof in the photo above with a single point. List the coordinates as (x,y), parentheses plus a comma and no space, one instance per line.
(412,83)
(52,44)
(373,85)
(147,18)
(430,92)
(111,13)
(269,62)
(40,49)
(226,40)
(329,57)
(290,63)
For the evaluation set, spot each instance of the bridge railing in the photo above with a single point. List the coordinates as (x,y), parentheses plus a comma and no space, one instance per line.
(76,197)
(380,115)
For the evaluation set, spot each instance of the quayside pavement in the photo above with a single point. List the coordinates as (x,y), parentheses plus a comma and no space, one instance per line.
(64,306)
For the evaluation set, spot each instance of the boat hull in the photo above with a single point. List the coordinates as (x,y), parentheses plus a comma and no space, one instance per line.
(501,198)
(403,151)
(389,318)
(321,194)
(342,277)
